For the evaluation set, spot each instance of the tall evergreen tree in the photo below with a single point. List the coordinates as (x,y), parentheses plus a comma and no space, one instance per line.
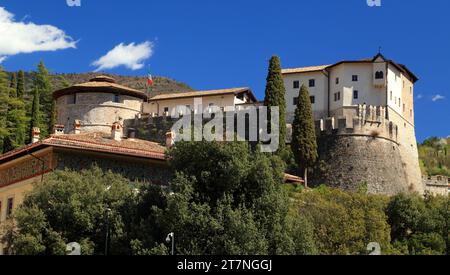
(13,85)
(4,98)
(304,143)
(275,96)
(44,87)
(15,119)
(20,89)
(35,120)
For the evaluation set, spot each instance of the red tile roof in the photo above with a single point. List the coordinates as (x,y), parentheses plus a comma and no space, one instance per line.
(98,142)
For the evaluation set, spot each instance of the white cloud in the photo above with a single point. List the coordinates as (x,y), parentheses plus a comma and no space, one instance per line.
(419,96)
(18,37)
(437,97)
(131,56)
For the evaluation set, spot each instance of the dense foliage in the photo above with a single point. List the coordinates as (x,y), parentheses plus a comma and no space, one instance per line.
(224,199)
(435,157)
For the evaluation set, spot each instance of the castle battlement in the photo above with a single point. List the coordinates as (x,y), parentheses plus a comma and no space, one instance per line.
(368,121)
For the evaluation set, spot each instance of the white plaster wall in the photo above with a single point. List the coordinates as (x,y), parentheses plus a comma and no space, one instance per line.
(319,92)
(395,85)
(221,101)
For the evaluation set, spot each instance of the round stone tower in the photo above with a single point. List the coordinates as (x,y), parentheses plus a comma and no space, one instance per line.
(364,151)
(96,105)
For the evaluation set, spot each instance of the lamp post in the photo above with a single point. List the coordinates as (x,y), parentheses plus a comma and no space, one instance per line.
(108,210)
(171,238)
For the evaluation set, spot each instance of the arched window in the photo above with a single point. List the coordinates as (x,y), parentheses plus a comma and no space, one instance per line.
(379,75)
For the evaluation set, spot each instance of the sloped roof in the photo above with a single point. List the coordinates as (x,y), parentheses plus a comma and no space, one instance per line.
(103,84)
(400,67)
(235,91)
(98,142)
(304,69)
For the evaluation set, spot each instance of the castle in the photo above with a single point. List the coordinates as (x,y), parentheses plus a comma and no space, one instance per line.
(364,112)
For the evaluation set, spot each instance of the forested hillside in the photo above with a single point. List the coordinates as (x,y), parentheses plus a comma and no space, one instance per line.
(434,156)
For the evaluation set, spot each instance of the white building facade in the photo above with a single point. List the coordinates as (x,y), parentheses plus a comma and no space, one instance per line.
(337,90)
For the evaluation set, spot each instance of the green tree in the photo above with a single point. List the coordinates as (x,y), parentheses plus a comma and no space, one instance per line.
(15,119)
(35,119)
(43,85)
(4,99)
(421,225)
(73,207)
(20,85)
(344,223)
(275,96)
(214,211)
(304,143)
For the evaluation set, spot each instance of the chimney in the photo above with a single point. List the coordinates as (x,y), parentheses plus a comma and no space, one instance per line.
(77,127)
(58,129)
(116,131)
(170,139)
(131,134)
(35,134)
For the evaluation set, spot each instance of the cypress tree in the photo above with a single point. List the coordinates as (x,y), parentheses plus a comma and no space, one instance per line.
(20,89)
(275,96)
(35,114)
(44,87)
(304,143)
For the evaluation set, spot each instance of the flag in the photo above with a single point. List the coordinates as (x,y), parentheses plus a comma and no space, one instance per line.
(150,80)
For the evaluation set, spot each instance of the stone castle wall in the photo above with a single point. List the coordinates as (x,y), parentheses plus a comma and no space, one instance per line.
(367,149)
(96,111)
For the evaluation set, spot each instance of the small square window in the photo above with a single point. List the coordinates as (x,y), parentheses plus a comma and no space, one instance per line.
(166,109)
(312,83)
(354,78)
(355,94)
(312,99)
(295,101)
(296,84)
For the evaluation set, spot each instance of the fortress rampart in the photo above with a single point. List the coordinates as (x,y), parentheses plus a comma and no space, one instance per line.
(366,148)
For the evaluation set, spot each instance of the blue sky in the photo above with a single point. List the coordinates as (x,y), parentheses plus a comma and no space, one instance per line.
(218,44)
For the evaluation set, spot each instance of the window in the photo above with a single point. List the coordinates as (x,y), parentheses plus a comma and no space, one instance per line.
(295,101)
(354,78)
(337,80)
(72,99)
(9,207)
(296,84)
(391,96)
(379,75)
(312,83)
(337,96)
(313,99)
(404,107)
(355,94)
(116,98)
(166,109)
